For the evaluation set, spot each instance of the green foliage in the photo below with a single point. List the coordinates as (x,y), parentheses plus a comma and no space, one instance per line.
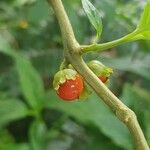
(19,3)
(145,18)
(31,83)
(93,15)
(4,46)
(7,142)
(30,54)
(92,111)
(11,109)
(34,10)
(144,24)
(37,135)
(138,98)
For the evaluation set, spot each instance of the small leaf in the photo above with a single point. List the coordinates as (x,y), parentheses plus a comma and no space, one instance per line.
(93,15)
(11,109)
(37,135)
(144,25)
(31,83)
(145,18)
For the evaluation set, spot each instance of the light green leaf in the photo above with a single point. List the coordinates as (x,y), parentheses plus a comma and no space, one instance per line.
(3,43)
(93,15)
(31,83)
(144,24)
(145,18)
(10,110)
(20,3)
(5,46)
(145,35)
(93,111)
(37,135)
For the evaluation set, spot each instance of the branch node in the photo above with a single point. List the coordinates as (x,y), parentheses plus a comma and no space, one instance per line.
(125,114)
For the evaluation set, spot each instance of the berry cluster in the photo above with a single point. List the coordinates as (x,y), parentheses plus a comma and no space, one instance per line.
(70,85)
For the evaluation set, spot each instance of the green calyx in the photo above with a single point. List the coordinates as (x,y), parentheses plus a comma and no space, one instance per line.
(87,91)
(63,75)
(99,69)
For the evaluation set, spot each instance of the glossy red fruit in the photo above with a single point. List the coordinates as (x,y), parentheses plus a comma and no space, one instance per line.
(103,79)
(71,89)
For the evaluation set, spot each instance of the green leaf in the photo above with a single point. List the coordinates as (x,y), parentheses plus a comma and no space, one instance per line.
(5,46)
(138,98)
(145,18)
(78,137)
(95,141)
(93,15)
(15,146)
(5,137)
(37,135)
(10,110)
(3,43)
(31,83)
(135,95)
(144,35)
(33,10)
(7,142)
(144,24)
(20,3)
(93,111)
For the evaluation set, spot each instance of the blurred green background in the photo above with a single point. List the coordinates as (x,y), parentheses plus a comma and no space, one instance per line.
(32,117)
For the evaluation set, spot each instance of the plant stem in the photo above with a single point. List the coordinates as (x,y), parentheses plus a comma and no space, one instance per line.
(72,54)
(105,46)
(64,64)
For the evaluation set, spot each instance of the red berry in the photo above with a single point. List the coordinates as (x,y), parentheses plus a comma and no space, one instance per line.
(103,79)
(71,89)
